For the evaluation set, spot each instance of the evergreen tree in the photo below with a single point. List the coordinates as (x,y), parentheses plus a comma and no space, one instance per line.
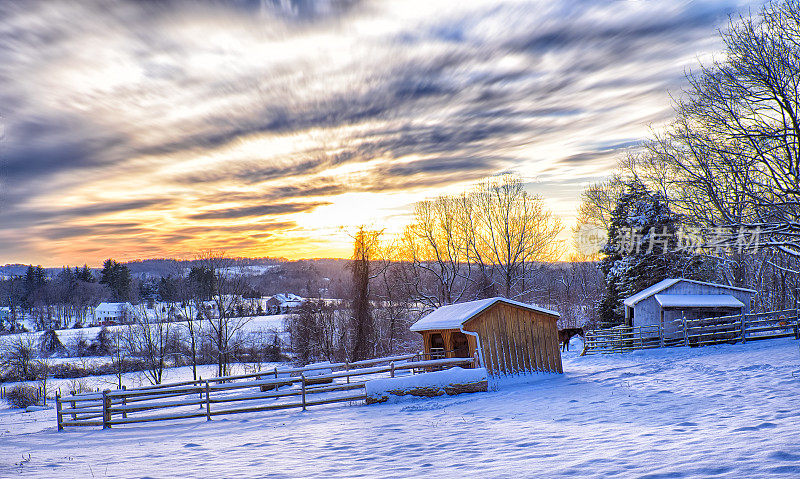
(642,249)
(34,283)
(118,279)
(202,280)
(168,289)
(84,274)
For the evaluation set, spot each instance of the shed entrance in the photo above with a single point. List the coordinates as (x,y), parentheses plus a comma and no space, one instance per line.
(460,345)
(437,346)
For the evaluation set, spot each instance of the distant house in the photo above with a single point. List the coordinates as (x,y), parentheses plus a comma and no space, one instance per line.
(284,303)
(508,337)
(113,313)
(671,299)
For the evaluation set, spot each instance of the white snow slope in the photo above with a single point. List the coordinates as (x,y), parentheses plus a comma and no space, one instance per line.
(722,411)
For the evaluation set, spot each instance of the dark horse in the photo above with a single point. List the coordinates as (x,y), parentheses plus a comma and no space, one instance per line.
(564,335)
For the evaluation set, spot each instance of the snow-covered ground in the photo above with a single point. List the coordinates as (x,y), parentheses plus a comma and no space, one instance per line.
(721,411)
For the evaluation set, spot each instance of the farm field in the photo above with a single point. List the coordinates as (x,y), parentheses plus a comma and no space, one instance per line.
(720,411)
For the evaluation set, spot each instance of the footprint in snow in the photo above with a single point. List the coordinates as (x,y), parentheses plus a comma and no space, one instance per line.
(784,456)
(763,425)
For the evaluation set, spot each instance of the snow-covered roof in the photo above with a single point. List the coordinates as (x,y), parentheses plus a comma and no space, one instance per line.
(288,299)
(664,284)
(454,315)
(113,307)
(698,301)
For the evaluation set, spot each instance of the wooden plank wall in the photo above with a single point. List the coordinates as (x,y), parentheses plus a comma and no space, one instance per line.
(516,340)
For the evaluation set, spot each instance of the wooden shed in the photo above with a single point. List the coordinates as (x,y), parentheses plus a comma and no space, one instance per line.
(508,337)
(667,301)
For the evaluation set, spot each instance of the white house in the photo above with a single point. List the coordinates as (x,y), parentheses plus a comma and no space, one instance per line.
(284,303)
(675,298)
(113,312)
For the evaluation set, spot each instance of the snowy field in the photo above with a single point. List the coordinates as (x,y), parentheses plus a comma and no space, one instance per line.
(722,411)
(253,324)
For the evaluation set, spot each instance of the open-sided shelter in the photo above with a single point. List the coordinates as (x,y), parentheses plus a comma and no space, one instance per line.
(667,301)
(508,336)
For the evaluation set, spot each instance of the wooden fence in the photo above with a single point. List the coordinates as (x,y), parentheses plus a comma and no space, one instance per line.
(695,332)
(262,391)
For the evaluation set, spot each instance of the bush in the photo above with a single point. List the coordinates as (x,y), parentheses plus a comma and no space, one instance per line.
(22,396)
(78,386)
(67,371)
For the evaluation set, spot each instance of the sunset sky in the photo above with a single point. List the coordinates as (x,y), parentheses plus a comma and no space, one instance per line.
(155,129)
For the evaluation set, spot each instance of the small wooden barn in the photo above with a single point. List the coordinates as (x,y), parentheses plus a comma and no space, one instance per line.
(508,337)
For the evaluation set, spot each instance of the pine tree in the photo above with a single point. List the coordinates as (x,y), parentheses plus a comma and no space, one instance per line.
(118,279)
(642,249)
(84,274)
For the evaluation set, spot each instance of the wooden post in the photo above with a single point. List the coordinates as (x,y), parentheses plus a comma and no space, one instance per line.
(72,405)
(742,330)
(661,332)
(58,411)
(208,402)
(347,368)
(106,409)
(685,333)
(303,390)
(276,373)
(391,365)
(124,402)
(200,383)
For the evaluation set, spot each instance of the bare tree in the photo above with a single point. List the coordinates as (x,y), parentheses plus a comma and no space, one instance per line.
(510,230)
(434,255)
(149,338)
(735,146)
(227,284)
(17,357)
(119,352)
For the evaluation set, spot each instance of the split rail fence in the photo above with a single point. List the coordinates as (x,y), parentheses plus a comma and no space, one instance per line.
(262,391)
(695,332)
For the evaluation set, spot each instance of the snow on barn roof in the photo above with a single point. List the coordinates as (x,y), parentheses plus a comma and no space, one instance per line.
(113,307)
(698,301)
(454,315)
(664,284)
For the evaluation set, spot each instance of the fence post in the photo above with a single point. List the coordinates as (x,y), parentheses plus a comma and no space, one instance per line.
(303,390)
(58,411)
(661,334)
(347,368)
(200,383)
(742,330)
(685,333)
(106,409)
(276,375)
(124,402)
(208,402)
(391,365)
(72,405)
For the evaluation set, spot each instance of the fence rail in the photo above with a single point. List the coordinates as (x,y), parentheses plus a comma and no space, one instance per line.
(339,382)
(695,332)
